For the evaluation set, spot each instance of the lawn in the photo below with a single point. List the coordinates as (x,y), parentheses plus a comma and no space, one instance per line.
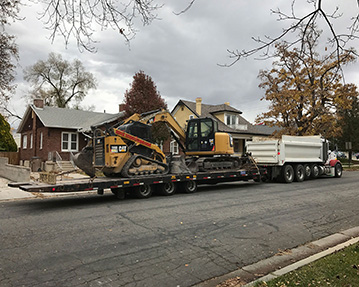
(340,269)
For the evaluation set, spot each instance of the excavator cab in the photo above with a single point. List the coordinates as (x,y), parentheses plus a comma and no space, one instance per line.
(203,138)
(200,134)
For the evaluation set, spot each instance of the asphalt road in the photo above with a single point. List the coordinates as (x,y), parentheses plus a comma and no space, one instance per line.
(167,241)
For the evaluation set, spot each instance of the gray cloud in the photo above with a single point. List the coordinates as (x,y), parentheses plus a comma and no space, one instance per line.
(180,53)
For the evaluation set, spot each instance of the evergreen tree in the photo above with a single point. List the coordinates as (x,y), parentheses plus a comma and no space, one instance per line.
(7,142)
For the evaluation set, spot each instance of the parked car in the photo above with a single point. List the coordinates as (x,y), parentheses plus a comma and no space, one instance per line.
(356,155)
(340,154)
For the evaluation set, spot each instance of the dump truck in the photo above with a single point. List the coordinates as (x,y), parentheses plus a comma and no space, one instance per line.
(295,158)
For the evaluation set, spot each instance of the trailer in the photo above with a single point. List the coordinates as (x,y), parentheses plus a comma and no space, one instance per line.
(144,186)
(295,158)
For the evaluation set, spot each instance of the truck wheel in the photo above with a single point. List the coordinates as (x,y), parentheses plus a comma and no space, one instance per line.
(143,191)
(168,188)
(287,173)
(189,186)
(315,171)
(299,173)
(307,171)
(338,170)
(118,192)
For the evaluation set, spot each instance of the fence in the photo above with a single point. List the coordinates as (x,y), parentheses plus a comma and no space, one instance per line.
(13,157)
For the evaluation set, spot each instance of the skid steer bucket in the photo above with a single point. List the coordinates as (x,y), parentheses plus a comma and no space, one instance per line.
(83,160)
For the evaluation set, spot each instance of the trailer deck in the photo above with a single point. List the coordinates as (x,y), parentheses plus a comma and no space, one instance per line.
(101,183)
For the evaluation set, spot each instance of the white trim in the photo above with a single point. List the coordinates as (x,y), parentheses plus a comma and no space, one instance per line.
(31,140)
(69,142)
(24,141)
(174,147)
(41,140)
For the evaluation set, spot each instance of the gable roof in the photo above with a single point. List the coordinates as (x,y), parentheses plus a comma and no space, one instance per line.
(53,117)
(210,111)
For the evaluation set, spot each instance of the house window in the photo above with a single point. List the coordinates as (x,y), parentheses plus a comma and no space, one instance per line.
(174,147)
(231,120)
(41,139)
(69,142)
(31,141)
(24,141)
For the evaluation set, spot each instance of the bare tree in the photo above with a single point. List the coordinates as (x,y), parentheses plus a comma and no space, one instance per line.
(59,82)
(338,42)
(8,53)
(78,18)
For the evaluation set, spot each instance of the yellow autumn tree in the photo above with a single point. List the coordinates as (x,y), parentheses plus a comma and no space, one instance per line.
(305,90)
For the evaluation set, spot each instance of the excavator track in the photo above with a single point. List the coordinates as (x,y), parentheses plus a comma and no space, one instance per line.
(218,163)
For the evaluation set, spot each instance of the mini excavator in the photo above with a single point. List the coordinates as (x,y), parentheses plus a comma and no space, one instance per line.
(126,150)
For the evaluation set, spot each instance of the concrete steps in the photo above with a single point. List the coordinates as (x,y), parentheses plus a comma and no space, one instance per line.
(65,165)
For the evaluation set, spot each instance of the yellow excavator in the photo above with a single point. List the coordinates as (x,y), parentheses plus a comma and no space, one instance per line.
(127,150)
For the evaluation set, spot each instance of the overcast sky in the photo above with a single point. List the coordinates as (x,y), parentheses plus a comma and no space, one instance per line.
(180,53)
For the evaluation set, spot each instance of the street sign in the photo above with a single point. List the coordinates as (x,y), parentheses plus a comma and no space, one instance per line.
(348,145)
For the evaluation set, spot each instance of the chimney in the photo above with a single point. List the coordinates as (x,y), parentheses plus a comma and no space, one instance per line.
(199,106)
(121,107)
(39,103)
(226,103)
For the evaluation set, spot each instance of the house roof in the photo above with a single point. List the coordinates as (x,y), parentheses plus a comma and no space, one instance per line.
(53,117)
(210,111)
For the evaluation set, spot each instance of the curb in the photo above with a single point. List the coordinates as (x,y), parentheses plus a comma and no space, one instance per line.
(288,260)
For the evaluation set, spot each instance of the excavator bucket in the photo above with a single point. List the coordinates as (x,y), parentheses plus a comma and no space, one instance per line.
(83,160)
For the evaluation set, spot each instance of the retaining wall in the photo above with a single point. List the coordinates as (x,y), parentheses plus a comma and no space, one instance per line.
(14,173)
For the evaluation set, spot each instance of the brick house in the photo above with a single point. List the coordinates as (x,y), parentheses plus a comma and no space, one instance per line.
(229,119)
(50,132)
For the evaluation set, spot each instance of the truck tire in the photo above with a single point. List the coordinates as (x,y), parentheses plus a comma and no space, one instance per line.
(338,170)
(315,171)
(167,189)
(287,173)
(307,171)
(299,173)
(189,186)
(143,191)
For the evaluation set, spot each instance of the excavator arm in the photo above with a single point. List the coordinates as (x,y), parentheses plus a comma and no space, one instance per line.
(166,117)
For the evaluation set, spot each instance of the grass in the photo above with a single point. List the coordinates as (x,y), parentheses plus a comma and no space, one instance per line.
(340,269)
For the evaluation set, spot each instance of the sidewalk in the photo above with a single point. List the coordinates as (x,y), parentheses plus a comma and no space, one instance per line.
(9,193)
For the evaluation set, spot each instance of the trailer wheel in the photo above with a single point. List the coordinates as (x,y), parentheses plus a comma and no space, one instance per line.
(118,192)
(287,173)
(338,170)
(189,186)
(315,171)
(307,171)
(143,191)
(299,173)
(168,188)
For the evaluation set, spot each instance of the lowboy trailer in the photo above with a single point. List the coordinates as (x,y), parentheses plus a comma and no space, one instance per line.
(143,186)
